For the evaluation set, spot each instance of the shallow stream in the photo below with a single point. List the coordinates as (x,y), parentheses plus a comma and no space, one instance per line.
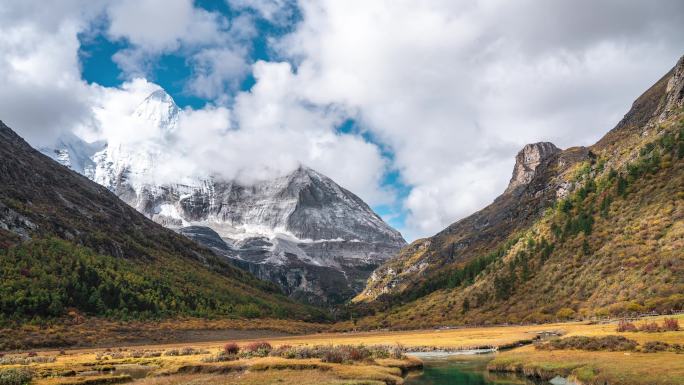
(461,369)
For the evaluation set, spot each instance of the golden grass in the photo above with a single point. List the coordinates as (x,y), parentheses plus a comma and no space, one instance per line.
(190,369)
(466,338)
(615,368)
(283,377)
(619,367)
(102,332)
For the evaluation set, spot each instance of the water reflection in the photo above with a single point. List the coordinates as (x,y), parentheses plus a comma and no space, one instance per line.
(462,370)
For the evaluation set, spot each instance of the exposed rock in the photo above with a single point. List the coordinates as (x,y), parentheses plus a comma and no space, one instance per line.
(674,98)
(527,161)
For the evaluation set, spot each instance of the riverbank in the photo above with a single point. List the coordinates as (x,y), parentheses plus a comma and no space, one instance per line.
(650,355)
(594,368)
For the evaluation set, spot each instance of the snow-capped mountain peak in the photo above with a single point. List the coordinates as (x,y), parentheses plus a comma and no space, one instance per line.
(303,231)
(160,109)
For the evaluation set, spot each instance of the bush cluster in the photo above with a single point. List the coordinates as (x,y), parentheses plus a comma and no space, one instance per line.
(25,360)
(606,343)
(187,351)
(669,325)
(15,376)
(340,353)
(326,353)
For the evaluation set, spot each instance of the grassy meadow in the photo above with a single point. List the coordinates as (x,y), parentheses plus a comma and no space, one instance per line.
(654,357)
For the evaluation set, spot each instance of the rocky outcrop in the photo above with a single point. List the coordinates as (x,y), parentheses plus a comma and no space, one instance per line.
(674,98)
(535,184)
(527,161)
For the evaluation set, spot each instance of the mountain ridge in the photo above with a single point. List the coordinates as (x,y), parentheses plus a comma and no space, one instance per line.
(122,264)
(576,204)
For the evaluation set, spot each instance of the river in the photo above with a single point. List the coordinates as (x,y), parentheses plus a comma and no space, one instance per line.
(461,370)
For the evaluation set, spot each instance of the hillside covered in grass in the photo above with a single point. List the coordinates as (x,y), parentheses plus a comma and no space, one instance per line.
(579,232)
(67,243)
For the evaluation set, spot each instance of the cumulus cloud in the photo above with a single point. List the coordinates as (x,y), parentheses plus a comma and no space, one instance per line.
(42,91)
(450,89)
(269,132)
(217,48)
(162,25)
(456,88)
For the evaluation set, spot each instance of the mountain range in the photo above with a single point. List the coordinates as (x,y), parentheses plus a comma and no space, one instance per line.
(316,240)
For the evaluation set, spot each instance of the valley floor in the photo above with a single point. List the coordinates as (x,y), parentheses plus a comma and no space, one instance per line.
(652,357)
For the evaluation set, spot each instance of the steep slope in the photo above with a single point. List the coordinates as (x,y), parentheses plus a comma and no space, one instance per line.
(538,180)
(316,240)
(66,242)
(579,232)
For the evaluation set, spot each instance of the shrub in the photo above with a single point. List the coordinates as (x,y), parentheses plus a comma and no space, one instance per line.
(18,360)
(187,351)
(339,353)
(333,356)
(649,327)
(258,345)
(350,353)
(565,313)
(397,351)
(671,324)
(607,343)
(221,357)
(655,346)
(626,326)
(354,353)
(15,376)
(231,348)
(258,348)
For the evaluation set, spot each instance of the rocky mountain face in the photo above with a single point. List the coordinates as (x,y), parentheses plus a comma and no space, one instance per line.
(527,161)
(578,232)
(538,180)
(67,242)
(316,240)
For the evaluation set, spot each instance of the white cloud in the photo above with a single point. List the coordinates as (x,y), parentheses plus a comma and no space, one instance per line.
(269,132)
(455,89)
(218,70)
(113,109)
(452,88)
(162,25)
(42,92)
(217,48)
(276,11)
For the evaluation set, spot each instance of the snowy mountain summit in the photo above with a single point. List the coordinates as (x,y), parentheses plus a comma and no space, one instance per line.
(318,241)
